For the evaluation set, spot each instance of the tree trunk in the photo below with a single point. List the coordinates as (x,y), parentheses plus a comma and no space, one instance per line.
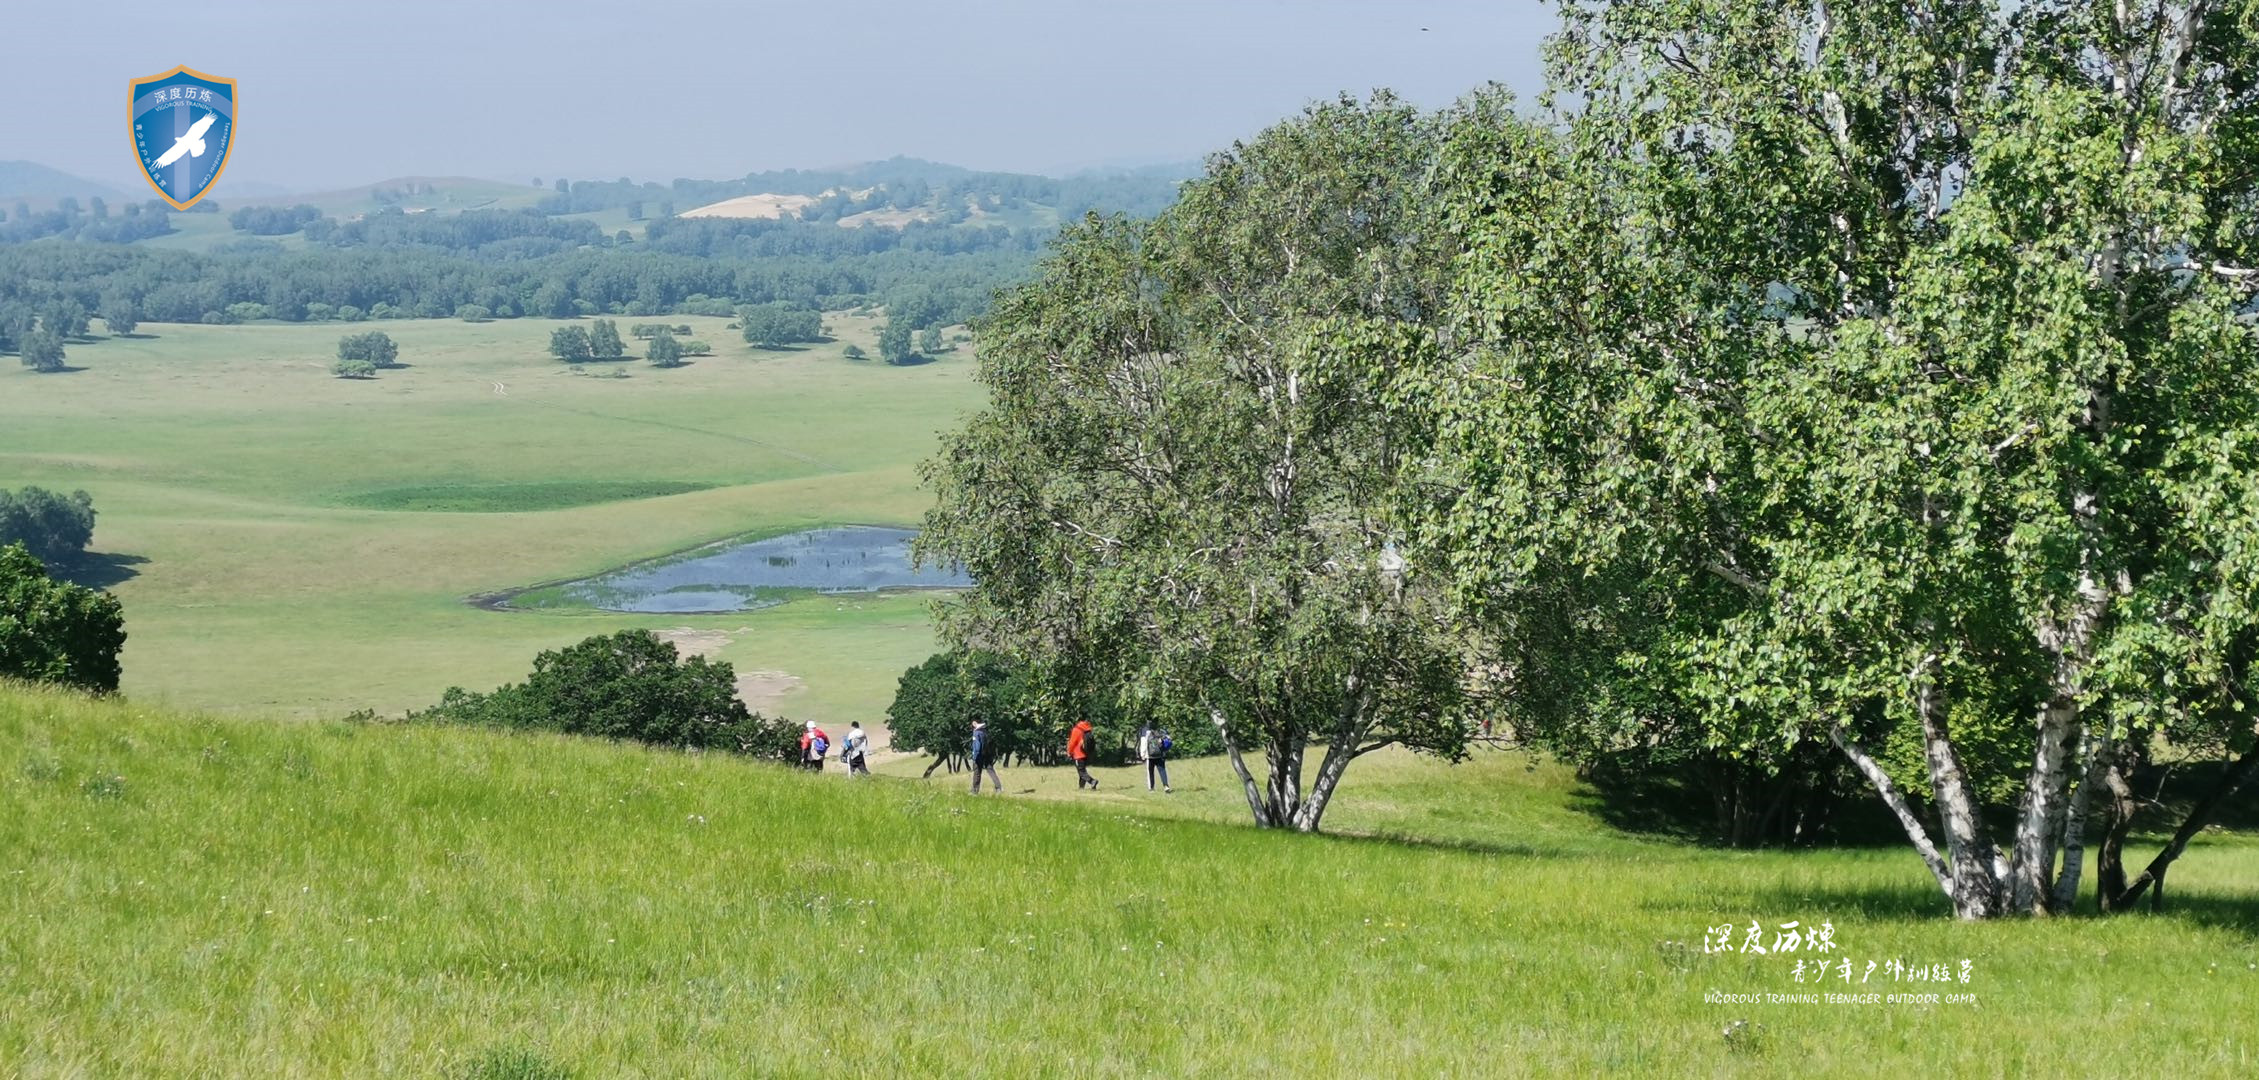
(1896,800)
(2153,876)
(2109,862)
(2094,750)
(1338,755)
(1255,805)
(2037,828)
(1284,755)
(1974,861)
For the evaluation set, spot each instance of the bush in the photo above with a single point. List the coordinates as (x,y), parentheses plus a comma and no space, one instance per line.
(376,347)
(696,348)
(55,632)
(633,686)
(855,352)
(473,313)
(54,527)
(353,369)
(665,352)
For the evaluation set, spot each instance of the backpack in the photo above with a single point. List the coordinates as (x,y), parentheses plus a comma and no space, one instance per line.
(1167,744)
(819,746)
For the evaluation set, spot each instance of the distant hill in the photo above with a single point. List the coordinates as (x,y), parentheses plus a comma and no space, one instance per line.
(36,183)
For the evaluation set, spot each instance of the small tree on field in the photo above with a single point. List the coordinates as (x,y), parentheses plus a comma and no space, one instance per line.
(376,347)
(42,351)
(55,632)
(854,352)
(894,342)
(473,313)
(604,340)
(696,348)
(353,369)
(55,527)
(120,316)
(929,341)
(665,352)
(569,344)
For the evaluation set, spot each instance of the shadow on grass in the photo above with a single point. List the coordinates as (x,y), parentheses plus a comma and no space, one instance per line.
(1675,805)
(2236,914)
(103,569)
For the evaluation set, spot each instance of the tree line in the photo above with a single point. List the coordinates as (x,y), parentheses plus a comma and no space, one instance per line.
(352,285)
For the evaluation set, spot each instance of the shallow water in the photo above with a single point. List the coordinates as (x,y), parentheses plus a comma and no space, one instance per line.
(763,573)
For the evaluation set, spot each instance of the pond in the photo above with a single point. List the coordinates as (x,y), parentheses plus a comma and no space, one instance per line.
(740,576)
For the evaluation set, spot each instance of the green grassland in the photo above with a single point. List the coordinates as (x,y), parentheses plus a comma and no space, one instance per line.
(199,895)
(288,542)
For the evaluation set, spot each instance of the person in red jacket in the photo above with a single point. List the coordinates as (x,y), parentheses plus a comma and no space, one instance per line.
(1078,748)
(813,745)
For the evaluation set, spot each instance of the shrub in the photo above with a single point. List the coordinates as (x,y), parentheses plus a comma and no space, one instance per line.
(53,631)
(54,527)
(696,348)
(353,369)
(473,313)
(633,686)
(376,347)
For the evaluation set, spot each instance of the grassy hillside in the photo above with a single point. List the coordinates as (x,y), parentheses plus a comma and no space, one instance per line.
(195,895)
(247,498)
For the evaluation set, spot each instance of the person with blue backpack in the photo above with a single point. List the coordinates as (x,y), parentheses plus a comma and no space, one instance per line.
(1154,744)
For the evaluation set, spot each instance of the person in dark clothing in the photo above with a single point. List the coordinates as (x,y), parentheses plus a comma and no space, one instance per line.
(1154,744)
(984,757)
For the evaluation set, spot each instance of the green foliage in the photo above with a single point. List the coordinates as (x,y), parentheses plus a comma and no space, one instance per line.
(632,686)
(120,315)
(695,347)
(376,348)
(854,352)
(56,528)
(570,344)
(41,351)
(473,313)
(894,341)
(1179,494)
(604,340)
(665,352)
(773,325)
(1870,380)
(353,369)
(53,631)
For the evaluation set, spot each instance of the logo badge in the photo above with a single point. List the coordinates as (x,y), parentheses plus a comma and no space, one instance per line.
(183,124)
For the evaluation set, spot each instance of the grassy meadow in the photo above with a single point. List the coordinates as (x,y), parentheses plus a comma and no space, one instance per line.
(292,543)
(195,895)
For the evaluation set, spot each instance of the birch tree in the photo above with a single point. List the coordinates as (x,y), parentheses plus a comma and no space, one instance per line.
(1876,372)
(1180,489)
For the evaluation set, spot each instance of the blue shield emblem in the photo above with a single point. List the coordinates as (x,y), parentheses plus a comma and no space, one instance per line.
(183,124)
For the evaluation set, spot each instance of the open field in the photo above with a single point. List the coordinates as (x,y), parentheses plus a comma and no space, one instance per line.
(196,895)
(289,542)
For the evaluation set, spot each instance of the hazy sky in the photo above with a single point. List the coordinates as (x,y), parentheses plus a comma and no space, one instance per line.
(336,94)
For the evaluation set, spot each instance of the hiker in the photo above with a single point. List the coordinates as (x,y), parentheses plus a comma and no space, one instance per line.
(1078,748)
(813,744)
(1154,744)
(984,757)
(852,750)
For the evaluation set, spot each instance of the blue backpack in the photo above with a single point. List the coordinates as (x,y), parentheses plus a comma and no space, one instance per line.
(819,746)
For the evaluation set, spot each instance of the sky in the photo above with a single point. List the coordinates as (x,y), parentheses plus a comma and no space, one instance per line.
(337,95)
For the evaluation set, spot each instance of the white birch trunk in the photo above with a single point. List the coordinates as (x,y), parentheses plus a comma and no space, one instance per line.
(1896,800)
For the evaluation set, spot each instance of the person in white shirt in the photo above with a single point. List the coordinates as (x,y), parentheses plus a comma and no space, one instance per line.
(852,751)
